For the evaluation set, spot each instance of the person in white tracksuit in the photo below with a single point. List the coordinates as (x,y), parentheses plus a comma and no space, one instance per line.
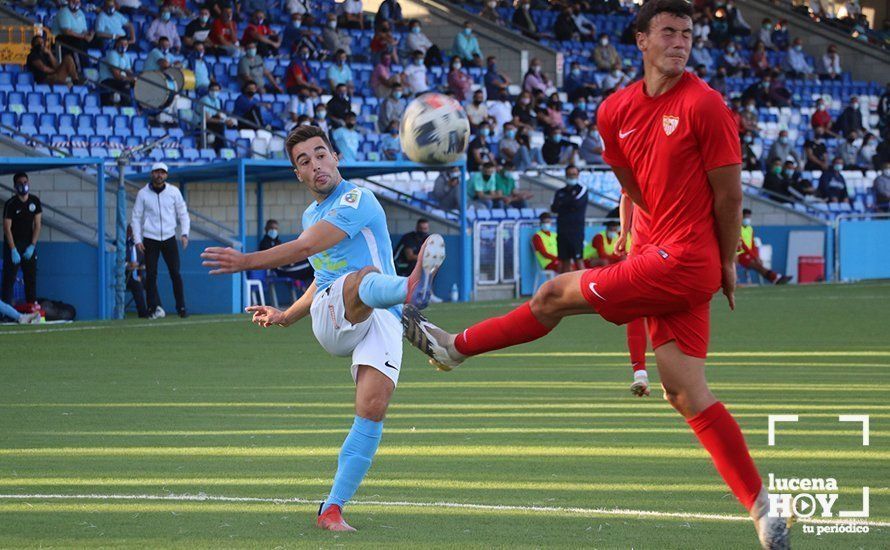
(158,208)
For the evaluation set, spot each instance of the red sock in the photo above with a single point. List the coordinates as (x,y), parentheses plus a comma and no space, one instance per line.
(772,276)
(719,433)
(517,327)
(636,343)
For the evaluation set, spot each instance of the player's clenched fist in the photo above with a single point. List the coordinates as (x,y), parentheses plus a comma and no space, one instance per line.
(266,316)
(223,260)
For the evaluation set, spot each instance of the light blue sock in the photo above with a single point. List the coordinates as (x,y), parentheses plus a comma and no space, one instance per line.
(355,459)
(8,311)
(382,291)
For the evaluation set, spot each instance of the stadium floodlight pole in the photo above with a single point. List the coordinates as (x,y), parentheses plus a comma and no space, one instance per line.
(120,274)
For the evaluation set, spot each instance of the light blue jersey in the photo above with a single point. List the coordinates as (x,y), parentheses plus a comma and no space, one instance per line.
(356,211)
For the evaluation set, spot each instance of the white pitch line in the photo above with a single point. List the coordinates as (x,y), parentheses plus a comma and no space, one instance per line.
(455,505)
(121,326)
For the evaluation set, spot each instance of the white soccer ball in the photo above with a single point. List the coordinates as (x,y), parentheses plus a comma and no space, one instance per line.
(434,129)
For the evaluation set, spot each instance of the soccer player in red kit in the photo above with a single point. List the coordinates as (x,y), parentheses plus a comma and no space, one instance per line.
(633,234)
(672,143)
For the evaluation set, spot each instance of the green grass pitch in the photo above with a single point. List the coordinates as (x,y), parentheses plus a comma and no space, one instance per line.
(545,438)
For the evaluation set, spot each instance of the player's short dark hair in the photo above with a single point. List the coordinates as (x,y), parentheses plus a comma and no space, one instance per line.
(746,211)
(304,133)
(678,8)
(270,222)
(18,176)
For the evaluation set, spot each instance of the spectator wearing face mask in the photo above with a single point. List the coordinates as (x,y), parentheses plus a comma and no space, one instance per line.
(459,82)
(535,79)
(505,184)
(116,75)
(848,151)
(479,151)
(748,255)
(551,114)
(782,149)
(544,244)
(22,222)
(111,24)
(389,142)
(524,112)
(523,20)
(159,58)
(734,62)
(881,188)
(476,110)
(850,119)
(759,60)
(211,109)
(389,12)
(339,72)
(385,42)
(615,80)
(496,82)
(816,151)
(576,86)
(821,118)
(248,108)
(775,183)
(415,75)
(339,106)
(749,157)
(352,14)
(301,272)
(867,153)
(797,186)
(700,55)
(758,92)
(570,207)
(796,64)
(765,35)
(383,81)
(347,139)
(490,13)
(466,46)
(737,24)
(70,29)
(224,34)
(300,77)
(335,39)
(257,32)
(482,187)
(196,63)
(592,146)
(198,29)
(832,185)
(558,150)
(252,68)
(603,249)
(391,108)
(605,56)
(418,41)
(831,64)
(446,188)
(164,25)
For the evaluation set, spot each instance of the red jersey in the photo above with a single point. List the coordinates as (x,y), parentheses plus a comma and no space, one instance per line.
(222,30)
(670,142)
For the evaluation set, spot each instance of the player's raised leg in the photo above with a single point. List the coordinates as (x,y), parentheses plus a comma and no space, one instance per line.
(636,346)
(686,389)
(378,290)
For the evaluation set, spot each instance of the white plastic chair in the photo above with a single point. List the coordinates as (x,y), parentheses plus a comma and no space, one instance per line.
(251,285)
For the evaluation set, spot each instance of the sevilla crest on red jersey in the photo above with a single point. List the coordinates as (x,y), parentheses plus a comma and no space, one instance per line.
(669,123)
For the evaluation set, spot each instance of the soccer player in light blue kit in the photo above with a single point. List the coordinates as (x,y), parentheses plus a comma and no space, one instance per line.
(355,301)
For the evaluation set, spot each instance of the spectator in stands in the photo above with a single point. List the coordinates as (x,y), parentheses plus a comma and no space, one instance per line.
(301,78)
(116,75)
(418,41)
(159,58)
(155,203)
(334,39)
(224,35)
(297,35)
(476,110)
(482,187)
(414,75)
(257,32)
(615,80)
(301,272)
(248,108)
(586,28)
(446,188)
(524,112)
(536,80)
(508,147)
(163,25)
(850,119)
(252,68)
(389,142)
(816,151)
(522,20)
(352,16)
(775,183)
(749,157)
(758,92)
(564,28)
(195,62)
(339,72)
(111,24)
(466,46)
(782,149)
(22,221)
(495,81)
(570,207)
(779,94)
(701,28)
(865,157)
(718,81)
(303,8)
(765,35)
(389,12)
(832,185)
(881,188)
(848,151)
(135,273)
(605,56)
(578,117)
(70,29)
(550,114)
(735,64)
(490,13)
(700,55)
(780,35)
(759,60)
(603,249)
(796,64)
(884,111)
(391,108)
(339,106)
(576,86)
(557,150)
(544,243)
(385,42)
(831,64)
(592,146)
(748,255)
(408,248)
(505,185)
(797,186)
(46,70)
(320,117)
(737,24)
(198,29)
(217,7)
(821,117)
(347,139)
(459,81)
(383,81)
(211,109)
(479,151)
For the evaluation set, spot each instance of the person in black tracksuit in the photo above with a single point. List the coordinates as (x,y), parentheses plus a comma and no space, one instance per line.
(156,211)
(570,206)
(21,228)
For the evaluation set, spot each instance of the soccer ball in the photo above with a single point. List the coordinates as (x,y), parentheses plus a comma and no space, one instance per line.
(434,129)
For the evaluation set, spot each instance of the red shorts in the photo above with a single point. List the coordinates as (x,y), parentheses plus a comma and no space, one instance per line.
(745,259)
(652,283)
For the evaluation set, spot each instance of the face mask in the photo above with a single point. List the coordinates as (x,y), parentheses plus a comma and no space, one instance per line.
(887,172)
(22,188)
(468,32)
(109,11)
(74,7)
(855,105)
(344,96)
(850,139)
(251,52)
(731,49)
(838,167)
(484,132)
(788,172)
(751,108)
(766,27)
(582,105)
(492,4)
(260,21)
(746,221)
(205,19)
(783,140)
(418,62)
(820,107)
(536,69)
(572,181)
(397,95)
(199,55)
(350,125)
(604,41)
(121,49)
(165,16)
(700,45)
(611,234)
(777,170)
(798,48)
(320,114)
(304,55)
(273,234)
(165,50)
(456,65)
(547,226)
(214,94)
(415,30)
(332,24)
(510,134)
(748,139)
(576,72)
(557,138)
(632,75)
(297,24)
(616,73)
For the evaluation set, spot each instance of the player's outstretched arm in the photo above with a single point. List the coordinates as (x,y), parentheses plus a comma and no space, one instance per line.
(318,238)
(726,182)
(266,316)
